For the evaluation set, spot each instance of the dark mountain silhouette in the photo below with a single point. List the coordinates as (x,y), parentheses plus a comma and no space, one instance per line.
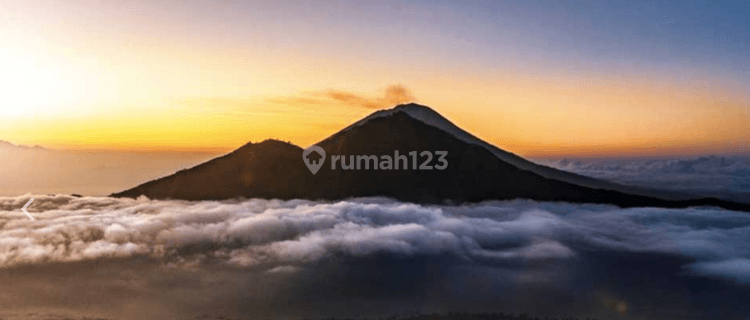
(476,171)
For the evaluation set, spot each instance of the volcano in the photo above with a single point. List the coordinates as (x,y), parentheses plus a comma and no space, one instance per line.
(475,170)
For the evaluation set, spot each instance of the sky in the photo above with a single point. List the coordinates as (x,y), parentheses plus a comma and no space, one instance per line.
(537,78)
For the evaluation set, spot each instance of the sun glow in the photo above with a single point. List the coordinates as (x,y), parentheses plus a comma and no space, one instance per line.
(34,84)
(96,76)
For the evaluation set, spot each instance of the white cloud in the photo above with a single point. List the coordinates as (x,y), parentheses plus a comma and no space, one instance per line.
(737,269)
(272,233)
(284,269)
(719,176)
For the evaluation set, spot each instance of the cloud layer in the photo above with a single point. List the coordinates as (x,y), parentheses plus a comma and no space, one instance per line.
(722,176)
(279,233)
(547,247)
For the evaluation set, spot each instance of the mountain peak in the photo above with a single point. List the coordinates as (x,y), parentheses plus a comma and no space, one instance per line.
(430,117)
(267,144)
(274,142)
(419,112)
(411,107)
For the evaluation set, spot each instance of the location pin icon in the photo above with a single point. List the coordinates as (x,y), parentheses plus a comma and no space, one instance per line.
(314,157)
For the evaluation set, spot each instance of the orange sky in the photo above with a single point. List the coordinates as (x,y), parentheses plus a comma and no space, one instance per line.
(94,77)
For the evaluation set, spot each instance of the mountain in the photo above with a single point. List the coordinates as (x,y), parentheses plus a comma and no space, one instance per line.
(475,170)
(432,118)
(5,145)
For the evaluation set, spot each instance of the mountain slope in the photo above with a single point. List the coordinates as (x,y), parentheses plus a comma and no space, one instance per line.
(432,118)
(475,172)
(270,169)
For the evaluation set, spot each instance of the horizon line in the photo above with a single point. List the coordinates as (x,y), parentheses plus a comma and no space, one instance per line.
(224,150)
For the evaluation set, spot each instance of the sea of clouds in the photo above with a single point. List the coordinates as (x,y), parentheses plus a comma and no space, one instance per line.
(365,250)
(725,177)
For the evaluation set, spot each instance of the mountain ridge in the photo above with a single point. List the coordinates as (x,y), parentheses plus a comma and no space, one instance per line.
(274,169)
(11,145)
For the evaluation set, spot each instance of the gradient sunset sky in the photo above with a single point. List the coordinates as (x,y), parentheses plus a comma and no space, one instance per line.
(537,78)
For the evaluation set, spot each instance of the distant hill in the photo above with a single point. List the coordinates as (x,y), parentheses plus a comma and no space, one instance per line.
(476,170)
(8,145)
